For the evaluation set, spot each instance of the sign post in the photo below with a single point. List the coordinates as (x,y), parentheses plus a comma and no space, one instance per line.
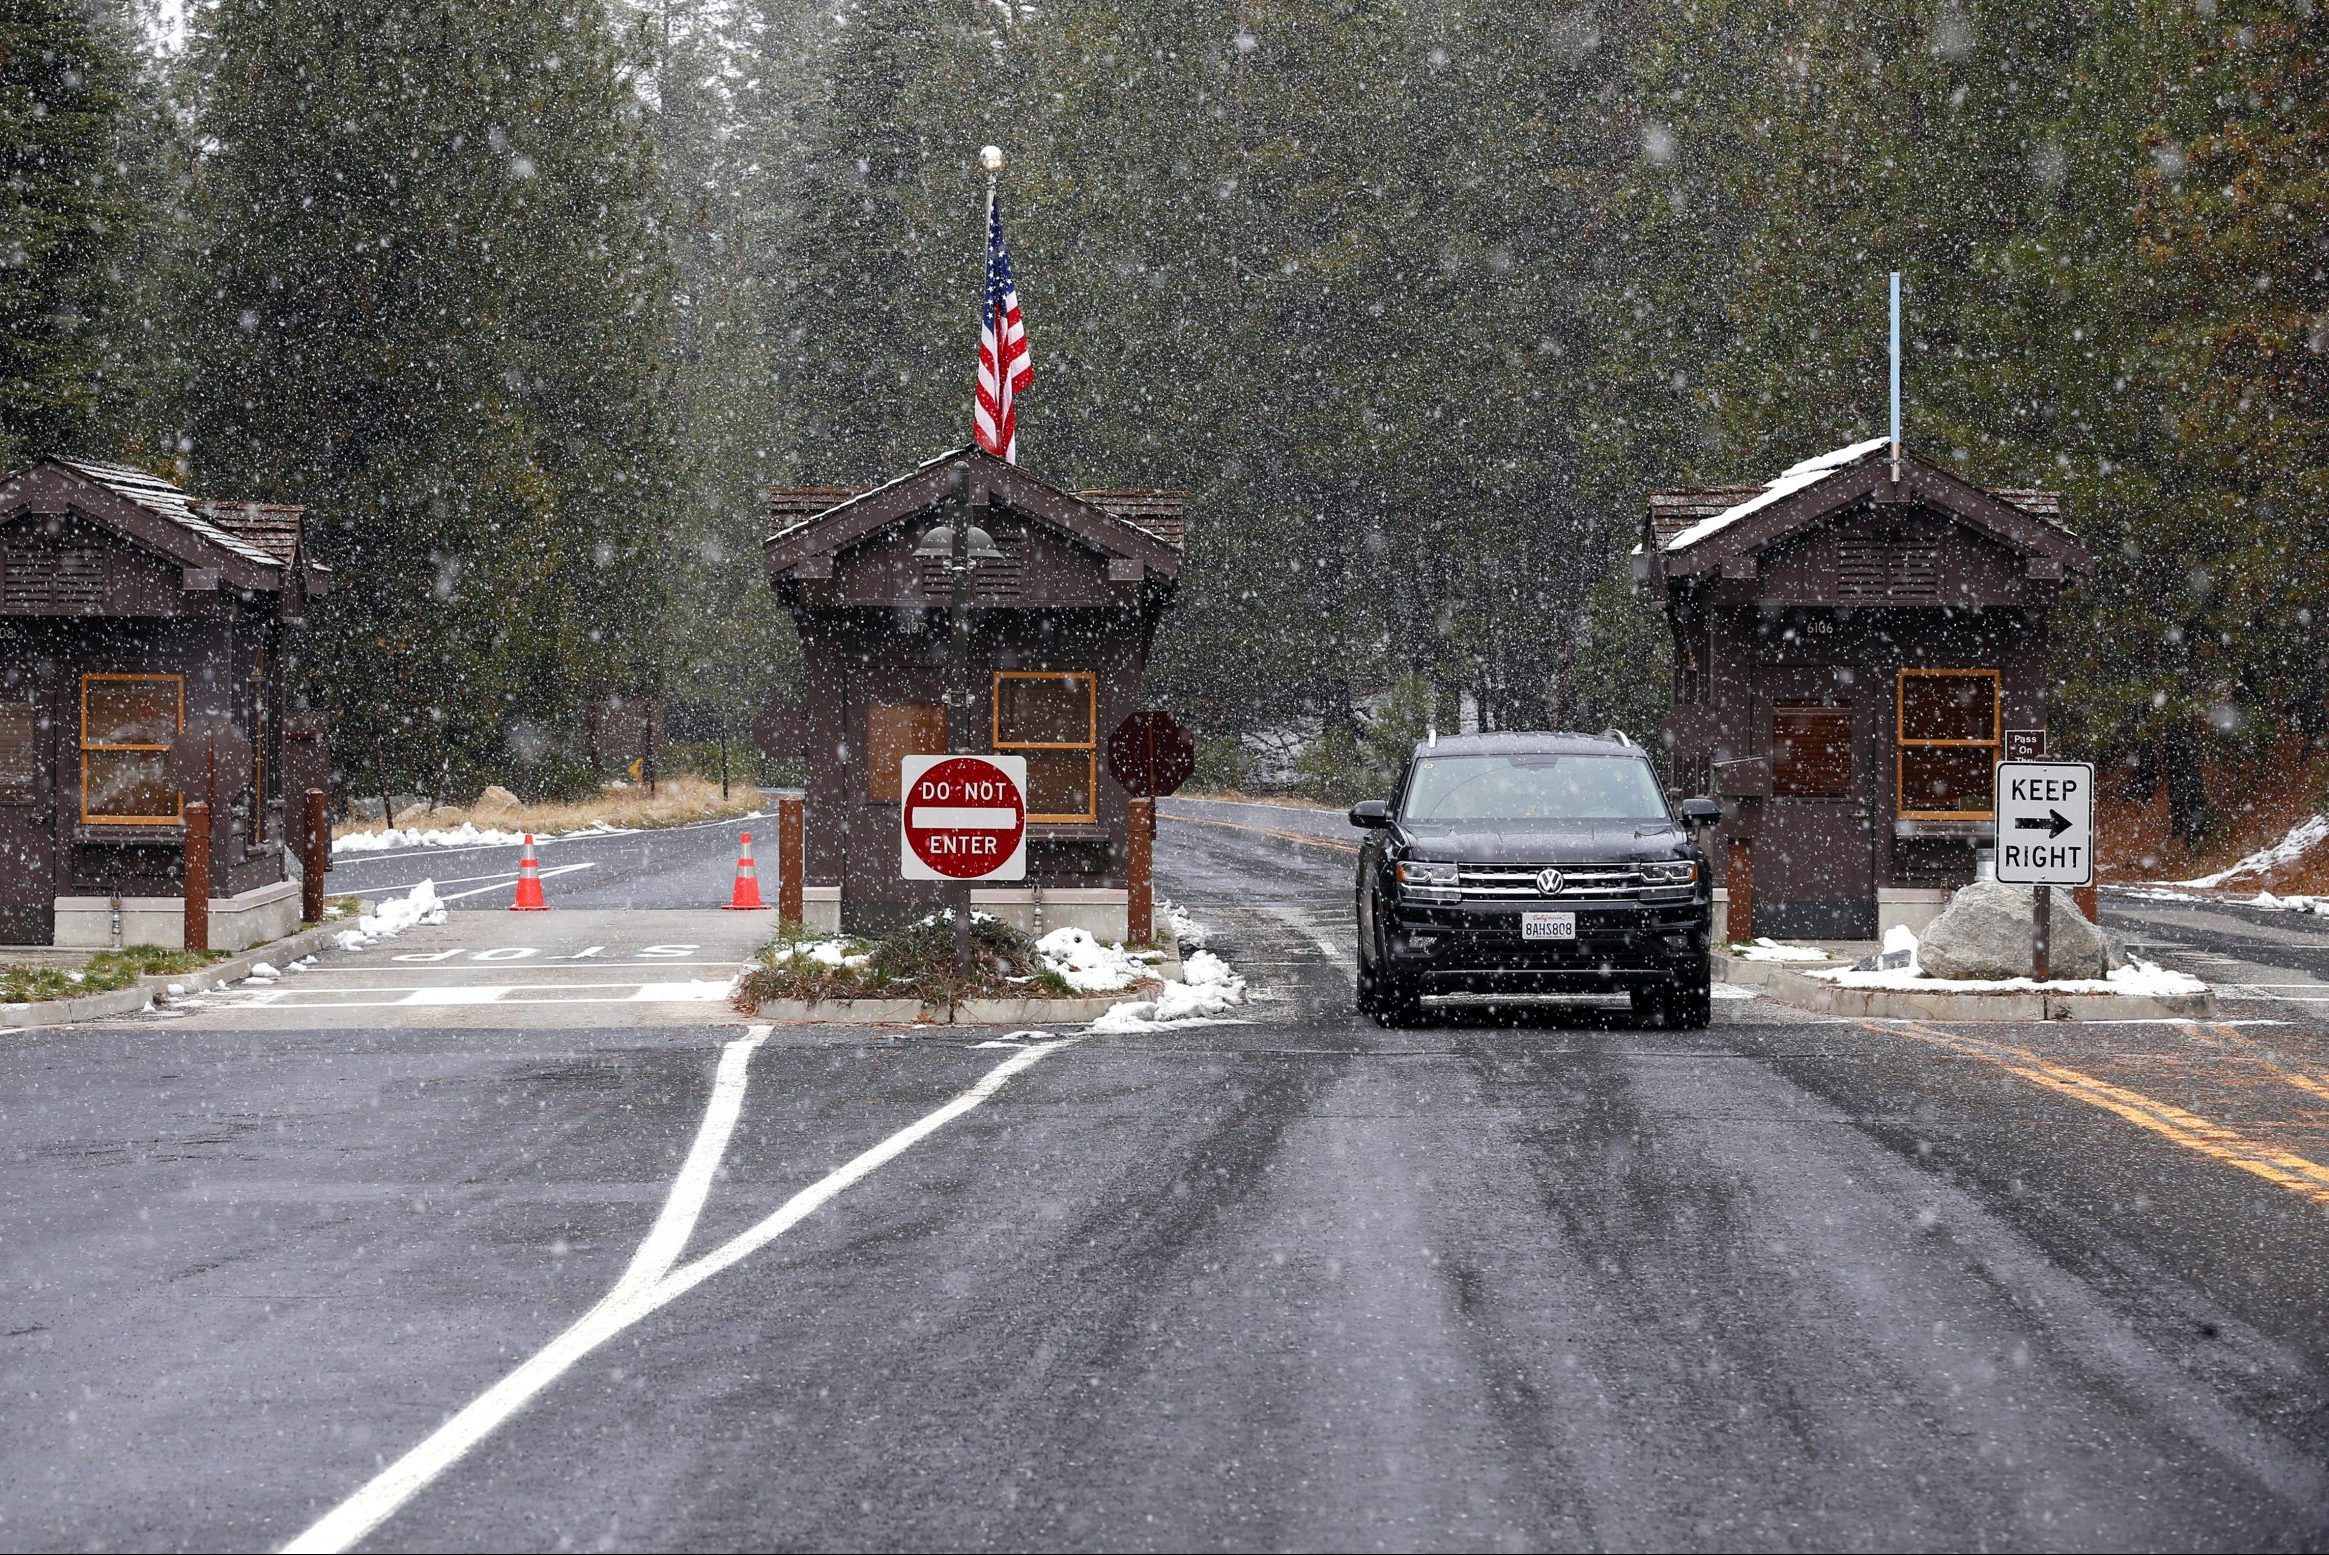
(2045,838)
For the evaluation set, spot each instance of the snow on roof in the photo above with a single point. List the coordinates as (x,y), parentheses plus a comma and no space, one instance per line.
(1791,480)
(164,500)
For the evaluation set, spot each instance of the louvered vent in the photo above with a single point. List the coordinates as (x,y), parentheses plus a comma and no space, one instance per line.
(1888,571)
(32,578)
(991,580)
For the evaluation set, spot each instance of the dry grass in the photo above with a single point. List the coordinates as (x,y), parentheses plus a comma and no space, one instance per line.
(2258,803)
(675,802)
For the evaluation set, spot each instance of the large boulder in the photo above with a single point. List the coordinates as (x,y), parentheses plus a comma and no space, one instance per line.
(495,804)
(1984,934)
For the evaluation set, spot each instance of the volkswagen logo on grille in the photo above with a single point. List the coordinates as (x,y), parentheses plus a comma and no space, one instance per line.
(1550,881)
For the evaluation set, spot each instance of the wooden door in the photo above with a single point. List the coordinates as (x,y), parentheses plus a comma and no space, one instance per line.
(1815,855)
(28,808)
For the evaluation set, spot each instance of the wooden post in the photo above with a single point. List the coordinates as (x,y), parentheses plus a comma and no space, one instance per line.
(789,864)
(2041,932)
(197,934)
(1139,900)
(317,847)
(1739,879)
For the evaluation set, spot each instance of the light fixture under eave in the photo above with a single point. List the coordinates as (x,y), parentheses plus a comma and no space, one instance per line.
(939,542)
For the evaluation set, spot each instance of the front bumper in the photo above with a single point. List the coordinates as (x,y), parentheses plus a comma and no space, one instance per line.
(1476,947)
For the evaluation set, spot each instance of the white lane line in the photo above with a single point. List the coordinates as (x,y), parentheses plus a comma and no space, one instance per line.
(646,1286)
(510,880)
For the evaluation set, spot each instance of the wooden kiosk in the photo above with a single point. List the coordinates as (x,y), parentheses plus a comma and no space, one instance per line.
(1854,650)
(1062,620)
(146,638)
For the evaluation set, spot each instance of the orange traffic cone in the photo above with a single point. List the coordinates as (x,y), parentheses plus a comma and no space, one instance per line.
(529,882)
(747,894)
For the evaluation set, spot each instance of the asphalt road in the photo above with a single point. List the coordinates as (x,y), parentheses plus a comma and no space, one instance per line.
(676,867)
(1293,1282)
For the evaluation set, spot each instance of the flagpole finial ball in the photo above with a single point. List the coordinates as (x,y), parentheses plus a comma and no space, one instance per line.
(991,158)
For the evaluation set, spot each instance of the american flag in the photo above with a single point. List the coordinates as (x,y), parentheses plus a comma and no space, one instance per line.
(1004,367)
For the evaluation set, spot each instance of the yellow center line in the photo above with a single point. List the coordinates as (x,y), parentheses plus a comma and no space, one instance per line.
(1267,831)
(2305,1178)
(2249,1047)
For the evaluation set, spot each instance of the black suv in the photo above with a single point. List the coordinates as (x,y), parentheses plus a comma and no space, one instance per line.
(1533,864)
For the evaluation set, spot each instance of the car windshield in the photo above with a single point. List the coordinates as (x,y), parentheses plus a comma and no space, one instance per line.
(1532,788)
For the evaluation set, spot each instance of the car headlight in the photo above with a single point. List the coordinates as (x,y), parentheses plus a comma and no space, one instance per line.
(1677,872)
(1417,872)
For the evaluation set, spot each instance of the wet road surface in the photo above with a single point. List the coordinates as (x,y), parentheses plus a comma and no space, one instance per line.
(1291,1282)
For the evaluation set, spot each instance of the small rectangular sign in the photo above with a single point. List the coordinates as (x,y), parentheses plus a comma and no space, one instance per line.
(2025,745)
(2045,822)
(1548,925)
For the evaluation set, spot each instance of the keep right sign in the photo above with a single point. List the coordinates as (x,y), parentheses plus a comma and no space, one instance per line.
(2045,822)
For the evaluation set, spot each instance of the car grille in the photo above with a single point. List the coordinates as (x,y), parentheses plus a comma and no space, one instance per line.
(1579,882)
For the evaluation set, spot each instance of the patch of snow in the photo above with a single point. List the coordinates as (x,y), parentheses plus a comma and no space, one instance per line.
(832,952)
(263,969)
(2288,850)
(175,989)
(1089,966)
(466,835)
(1211,990)
(2312,904)
(396,915)
(2140,978)
(1733,991)
(1773,950)
(1791,480)
(1187,931)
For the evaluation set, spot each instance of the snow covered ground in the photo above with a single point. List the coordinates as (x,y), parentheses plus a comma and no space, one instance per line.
(2301,839)
(1773,950)
(466,835)
(393,917)
(2140,978)
(1210,991)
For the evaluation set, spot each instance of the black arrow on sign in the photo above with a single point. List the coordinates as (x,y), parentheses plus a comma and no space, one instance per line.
(2054,823)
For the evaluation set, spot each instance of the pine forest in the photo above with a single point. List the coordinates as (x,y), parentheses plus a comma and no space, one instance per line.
(531,301)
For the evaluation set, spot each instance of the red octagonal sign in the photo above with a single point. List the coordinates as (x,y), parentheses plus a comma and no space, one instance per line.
(963,818)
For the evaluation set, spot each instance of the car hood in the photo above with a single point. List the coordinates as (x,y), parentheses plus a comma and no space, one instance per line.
(1615,842)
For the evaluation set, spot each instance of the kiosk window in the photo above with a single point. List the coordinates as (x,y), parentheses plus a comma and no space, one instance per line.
(127,724)
(1811,752)
(1052,718)
(1947,743)
(891,735)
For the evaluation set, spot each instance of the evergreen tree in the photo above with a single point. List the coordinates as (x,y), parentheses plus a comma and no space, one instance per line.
(434,287)
(69,213)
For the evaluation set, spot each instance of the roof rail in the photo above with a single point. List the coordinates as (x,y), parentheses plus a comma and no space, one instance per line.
(1618,735)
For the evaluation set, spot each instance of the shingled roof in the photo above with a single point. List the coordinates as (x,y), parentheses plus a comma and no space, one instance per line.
(274,527)
(1680,516)
(164,500)
(1163,514)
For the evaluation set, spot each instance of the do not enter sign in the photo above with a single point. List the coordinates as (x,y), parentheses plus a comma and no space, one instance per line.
(963,818)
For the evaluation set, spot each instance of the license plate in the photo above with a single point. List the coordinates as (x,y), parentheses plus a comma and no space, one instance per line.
(1548,925)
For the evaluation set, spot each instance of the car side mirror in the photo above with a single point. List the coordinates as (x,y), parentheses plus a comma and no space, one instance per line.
(1700,812)
(1370,814)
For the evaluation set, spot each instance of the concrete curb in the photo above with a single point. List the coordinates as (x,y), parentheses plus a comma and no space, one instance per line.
(128,1001)
(971,1012)
(1780,981)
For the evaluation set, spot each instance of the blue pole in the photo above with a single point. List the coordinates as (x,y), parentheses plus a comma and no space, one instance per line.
(1896,376)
